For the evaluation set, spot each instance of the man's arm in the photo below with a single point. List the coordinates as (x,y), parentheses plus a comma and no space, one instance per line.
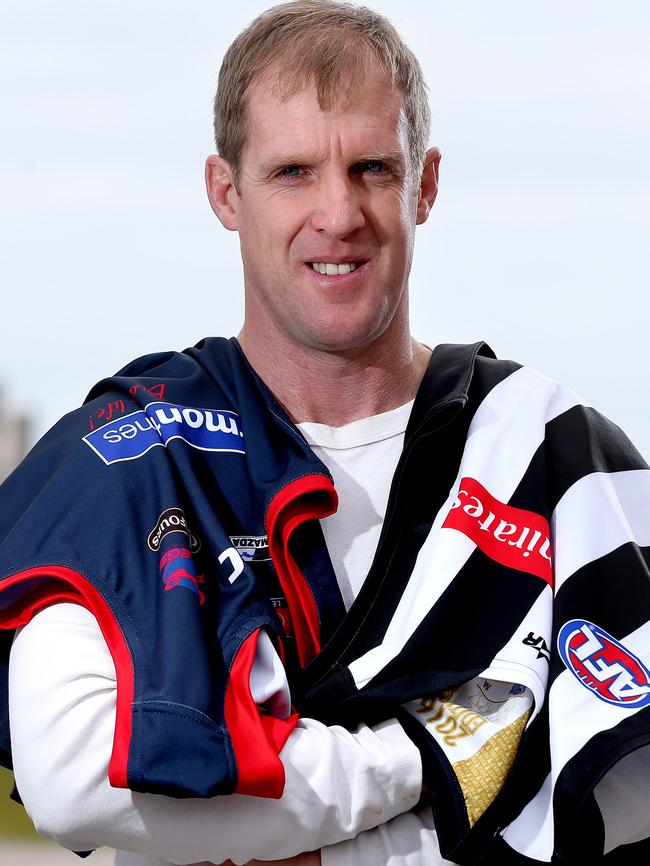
(62,704)
(406,840)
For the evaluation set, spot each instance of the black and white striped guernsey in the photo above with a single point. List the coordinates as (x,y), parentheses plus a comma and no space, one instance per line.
(515,550)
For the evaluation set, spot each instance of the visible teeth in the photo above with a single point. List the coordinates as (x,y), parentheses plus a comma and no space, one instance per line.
(333,270)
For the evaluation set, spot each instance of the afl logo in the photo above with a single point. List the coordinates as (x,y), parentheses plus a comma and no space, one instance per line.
(603,665)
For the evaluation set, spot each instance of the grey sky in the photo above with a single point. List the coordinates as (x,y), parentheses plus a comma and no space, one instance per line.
(538,243)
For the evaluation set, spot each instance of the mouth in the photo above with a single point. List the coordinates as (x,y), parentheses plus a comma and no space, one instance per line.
(335,269)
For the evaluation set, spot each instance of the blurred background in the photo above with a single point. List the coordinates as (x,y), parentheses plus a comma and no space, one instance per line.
(108,248)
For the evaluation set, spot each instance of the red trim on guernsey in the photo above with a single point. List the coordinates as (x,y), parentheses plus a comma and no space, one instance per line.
(256,739)
(308,498)
(67,585)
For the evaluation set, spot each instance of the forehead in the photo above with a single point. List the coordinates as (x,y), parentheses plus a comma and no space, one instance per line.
(369,114)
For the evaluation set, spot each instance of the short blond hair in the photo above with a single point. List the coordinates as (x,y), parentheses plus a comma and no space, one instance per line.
(319,41)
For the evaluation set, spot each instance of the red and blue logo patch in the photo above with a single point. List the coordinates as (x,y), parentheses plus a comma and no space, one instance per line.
(177,569)
(603,665)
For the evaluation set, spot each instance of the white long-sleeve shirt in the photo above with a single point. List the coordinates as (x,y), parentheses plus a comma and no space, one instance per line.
(62,701)
(339,784)
(351,794)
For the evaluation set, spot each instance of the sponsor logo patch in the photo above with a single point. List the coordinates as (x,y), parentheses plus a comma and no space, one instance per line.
(177,570)
(511,536)
(537,642)
(159,423)
(172,520)
(251,548)
(603,665)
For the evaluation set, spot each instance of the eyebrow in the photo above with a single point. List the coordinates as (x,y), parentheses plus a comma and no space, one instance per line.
(383,156)
(274,163)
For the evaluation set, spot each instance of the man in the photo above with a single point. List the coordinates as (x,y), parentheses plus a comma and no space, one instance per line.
(151,562)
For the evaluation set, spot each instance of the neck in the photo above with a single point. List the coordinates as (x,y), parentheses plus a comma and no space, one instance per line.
(336,388)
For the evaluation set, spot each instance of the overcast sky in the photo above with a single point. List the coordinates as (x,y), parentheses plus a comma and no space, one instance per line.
(538,242)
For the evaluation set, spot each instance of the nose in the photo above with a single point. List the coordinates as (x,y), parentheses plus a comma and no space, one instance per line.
(337,208)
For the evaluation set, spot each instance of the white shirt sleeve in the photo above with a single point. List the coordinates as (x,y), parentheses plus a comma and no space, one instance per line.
(407,840)
(410,839)
(622,796)
(62,692)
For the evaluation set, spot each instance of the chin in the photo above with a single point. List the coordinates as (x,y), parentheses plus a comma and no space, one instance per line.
(344,339)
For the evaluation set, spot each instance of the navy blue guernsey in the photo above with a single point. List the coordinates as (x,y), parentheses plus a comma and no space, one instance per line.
(505,619)
(136,506)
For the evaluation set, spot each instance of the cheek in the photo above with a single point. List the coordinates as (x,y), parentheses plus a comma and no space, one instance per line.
(408,211)
(273,229)
(393,219)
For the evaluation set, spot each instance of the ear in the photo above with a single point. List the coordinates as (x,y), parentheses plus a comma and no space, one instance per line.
(222,191)
(428,184)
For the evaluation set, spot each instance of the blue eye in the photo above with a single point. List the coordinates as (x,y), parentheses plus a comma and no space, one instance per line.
(290,171)
(370,166)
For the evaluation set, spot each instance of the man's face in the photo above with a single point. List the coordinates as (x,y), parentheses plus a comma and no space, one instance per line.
(333,192)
